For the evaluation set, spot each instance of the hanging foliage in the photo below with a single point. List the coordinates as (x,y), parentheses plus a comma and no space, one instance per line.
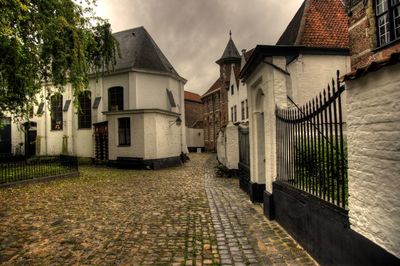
(49,42)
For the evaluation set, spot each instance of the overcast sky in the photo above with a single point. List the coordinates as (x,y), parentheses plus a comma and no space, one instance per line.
(193,33)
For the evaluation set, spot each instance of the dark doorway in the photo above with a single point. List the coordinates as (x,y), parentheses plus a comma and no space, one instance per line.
(30,138)
(101,142)
(5,136)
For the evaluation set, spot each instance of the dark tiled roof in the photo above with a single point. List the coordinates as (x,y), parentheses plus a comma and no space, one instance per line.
(289,36)
(230,52)
(372,67)
(216,86)
(139,51)
(191,96)
(318,23)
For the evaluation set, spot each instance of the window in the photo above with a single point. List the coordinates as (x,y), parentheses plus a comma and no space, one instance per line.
(387,20)
(235,113)
(232,114)
(56,112)
(242,103)
(85,112)
(232,90)
(124,131)
(115,99)
(247,109)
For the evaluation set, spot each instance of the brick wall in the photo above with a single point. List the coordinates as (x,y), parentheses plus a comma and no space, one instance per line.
(363,36)
(193,114)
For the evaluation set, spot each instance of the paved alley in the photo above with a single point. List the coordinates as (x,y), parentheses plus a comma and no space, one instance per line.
(177,216)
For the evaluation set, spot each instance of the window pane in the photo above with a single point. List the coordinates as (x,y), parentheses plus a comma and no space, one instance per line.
(56,112)
(115,99)
(85,112)
(381,6)
(383,26)
(396,22)
(124,131)
(395,2)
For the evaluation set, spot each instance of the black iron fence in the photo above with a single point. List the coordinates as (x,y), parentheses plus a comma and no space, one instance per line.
(37,167)
(311,149)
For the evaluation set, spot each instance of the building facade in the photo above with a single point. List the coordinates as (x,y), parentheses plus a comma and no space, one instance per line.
(194,121)
(133,116)
(373,96)
(374,30)
(215,100)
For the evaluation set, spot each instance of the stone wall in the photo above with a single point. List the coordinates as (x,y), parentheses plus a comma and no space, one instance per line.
(374,156)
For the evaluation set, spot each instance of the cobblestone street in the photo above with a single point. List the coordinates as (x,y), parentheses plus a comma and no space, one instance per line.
(177,216)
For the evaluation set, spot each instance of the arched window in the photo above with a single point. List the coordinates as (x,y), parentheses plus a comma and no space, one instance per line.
(85,112)
(56,112)
(115,99)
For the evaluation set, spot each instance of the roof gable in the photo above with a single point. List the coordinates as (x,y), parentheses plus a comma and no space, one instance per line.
(322,24)
(139,51)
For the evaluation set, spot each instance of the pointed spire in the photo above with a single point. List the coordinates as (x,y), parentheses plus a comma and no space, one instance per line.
(231,53)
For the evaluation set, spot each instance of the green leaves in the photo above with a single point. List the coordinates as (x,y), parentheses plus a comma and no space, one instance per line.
(49,41)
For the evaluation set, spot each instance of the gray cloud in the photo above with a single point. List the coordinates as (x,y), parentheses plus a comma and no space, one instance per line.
(194,33)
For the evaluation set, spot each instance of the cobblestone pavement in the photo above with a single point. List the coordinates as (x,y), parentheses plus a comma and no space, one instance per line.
(244,235)
(177,216)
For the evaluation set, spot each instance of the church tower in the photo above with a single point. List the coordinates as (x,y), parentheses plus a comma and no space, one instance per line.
(229,60)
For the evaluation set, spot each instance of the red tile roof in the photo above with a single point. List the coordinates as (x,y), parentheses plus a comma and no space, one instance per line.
(216,86)
(317,23)
(191,96)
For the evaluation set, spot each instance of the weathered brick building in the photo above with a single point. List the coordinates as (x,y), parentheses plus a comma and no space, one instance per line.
(193,110)
(215,100)
(374,30)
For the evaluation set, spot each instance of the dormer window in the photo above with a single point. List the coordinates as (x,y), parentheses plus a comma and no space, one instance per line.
(387,20)
(116,99)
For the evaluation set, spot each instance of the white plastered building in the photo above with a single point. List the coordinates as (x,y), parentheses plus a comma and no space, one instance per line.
(133,116)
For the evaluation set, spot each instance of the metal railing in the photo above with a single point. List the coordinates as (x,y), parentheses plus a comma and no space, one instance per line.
(37,167)
(311,149)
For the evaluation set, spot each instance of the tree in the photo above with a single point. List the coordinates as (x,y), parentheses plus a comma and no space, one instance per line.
(49,42)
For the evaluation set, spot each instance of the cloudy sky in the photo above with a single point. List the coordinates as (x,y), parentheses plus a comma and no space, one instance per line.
(193,33)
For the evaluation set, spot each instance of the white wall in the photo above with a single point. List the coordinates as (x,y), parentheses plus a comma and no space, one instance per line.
(228,146)
(232,146)
(221,147)
(151,93)
(154,135)
(136,149)
(268,85)
(169,136)
(374,156)
(237,98)
(310,74)
(195,137)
